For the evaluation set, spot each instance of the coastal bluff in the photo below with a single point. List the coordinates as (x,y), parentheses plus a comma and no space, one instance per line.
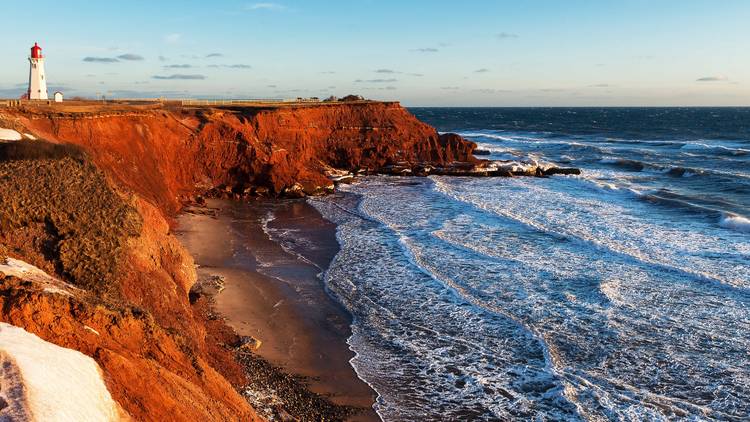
(166,154)
(88,260)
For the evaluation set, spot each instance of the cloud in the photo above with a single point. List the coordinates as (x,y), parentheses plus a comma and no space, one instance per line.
(482,70)
(330,72)
(163,59)
(396,72)
(449,88)
(178,66)
(506,35)
(712,79)
(599,86)
(180,76)
(266,6)
(11,92)
(231,66)
(376,81)
(491,91)
(425,50)
(172,38)
(380,88)
(127,93)
(208,56)
(130,57)
(271,86)
(100,60)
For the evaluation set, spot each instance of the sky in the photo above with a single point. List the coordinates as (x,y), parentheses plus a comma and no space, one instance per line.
(422,53)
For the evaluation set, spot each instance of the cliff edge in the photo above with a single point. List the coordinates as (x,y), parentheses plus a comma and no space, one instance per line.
(167,154)
(87,260)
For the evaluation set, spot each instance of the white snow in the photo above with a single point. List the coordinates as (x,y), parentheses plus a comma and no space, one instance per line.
(87,328)
(41,381)
(9,135)
(20,269)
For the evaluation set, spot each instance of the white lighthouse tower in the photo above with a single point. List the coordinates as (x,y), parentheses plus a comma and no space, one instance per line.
(37,80)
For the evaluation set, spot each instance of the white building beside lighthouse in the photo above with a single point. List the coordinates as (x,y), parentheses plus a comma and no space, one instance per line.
(37,79)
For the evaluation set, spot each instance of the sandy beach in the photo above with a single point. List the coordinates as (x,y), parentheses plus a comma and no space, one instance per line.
(272,291)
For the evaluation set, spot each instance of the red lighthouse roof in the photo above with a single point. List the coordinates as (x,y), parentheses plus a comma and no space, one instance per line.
(36,52)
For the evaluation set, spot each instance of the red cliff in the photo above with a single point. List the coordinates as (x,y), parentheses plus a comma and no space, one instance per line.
(89,205)
(167,154)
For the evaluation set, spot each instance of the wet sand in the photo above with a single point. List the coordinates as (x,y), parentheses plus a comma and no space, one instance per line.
(274,294)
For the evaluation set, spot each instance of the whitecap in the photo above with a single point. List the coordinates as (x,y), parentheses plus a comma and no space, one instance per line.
(735,222)
(715,149)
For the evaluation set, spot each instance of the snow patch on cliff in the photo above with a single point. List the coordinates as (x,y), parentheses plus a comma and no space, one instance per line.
(40,381)
(17,268)
(9,135)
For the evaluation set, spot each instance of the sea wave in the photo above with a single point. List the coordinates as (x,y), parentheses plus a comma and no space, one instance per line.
(735,222)
(627,164)
(501,137)
(683,172)
(584,218)
(714,149)
(288,239)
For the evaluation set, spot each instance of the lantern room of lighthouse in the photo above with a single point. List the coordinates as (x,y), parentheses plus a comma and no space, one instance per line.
(37,79)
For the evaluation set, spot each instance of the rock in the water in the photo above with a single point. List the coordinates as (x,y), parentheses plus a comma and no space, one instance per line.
(562,170)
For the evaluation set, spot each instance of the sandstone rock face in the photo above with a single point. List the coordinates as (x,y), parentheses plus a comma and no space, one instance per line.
(88,266)
(89,207)
(147,370)
(165,155)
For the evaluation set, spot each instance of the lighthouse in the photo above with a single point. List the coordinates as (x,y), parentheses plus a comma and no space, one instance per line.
(37,80)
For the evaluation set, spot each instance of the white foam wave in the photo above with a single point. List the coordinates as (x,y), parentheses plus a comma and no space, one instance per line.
(509,137)
(440,289)
(735,222)
(716,149)
(585,217)
(287,239)
(609,160)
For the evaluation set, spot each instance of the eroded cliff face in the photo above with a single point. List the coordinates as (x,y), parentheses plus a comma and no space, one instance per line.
(88,207)
(167,154)
(91,267)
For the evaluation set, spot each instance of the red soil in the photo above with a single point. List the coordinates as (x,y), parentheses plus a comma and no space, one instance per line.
(159,361)
(166,155)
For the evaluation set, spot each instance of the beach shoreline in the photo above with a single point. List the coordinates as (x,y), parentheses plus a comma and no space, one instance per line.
(263,263)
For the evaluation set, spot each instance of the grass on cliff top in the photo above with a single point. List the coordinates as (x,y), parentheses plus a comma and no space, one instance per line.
(58,211)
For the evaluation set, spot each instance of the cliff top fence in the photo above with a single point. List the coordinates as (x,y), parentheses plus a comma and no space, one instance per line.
(196,102)
(80,105)
(16,103)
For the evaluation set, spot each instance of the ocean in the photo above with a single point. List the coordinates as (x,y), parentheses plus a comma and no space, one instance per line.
(619,294)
